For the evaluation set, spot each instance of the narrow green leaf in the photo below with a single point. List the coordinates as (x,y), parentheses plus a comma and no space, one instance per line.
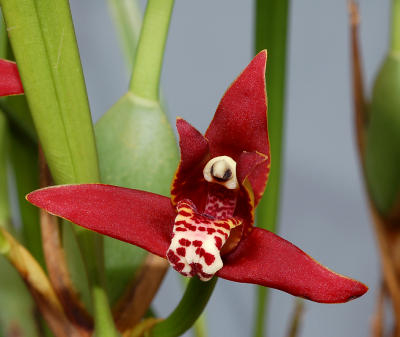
(17,111)
(271,34)
(25,166)
(16,304)
(16,310)
(43,41)
(4,202)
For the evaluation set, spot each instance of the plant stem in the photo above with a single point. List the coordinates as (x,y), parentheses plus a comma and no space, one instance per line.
(200,326)
(271,34)
(395,47)
(188,310)
(128,21)
(146,74)
(261,309)
(102,313)
(4,203)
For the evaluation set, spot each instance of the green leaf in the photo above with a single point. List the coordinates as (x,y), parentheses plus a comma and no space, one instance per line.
(44,45)
(137,149)
(4,202)
(382,152)
(16,303)
(271,34)
(25,167)
(17,111)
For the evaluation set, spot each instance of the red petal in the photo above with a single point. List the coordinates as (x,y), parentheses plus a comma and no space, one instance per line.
(10,82)
(140,218)
(189,181)
(255,167)
(240,122)
(266,259)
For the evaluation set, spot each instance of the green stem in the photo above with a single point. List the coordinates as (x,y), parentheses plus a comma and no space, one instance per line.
(103,315)
(146,74)
(128,21)
(271,34)
(261,310)
(4,203)
(396,26)
(188,310)
(200,326)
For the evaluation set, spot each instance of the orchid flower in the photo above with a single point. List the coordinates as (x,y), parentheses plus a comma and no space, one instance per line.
(207,227)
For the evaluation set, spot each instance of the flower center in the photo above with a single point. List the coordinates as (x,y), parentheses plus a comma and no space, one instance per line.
(198,237)
(222,170)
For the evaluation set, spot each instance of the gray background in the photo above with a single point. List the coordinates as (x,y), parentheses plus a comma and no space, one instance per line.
(323,205)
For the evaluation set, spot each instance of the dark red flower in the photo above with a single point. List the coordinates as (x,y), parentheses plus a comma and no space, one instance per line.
(206,227)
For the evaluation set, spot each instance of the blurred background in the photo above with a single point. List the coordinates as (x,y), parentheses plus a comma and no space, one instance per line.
(323,205)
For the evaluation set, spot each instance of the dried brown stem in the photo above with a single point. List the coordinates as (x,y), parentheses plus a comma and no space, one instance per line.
(38,285)
(57,265)
(378,318)
(297,315)
(358,87)
(131,308)
(388,266)
(383,234)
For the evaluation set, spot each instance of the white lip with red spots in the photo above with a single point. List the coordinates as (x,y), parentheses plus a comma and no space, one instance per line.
(198,237)
(197,240)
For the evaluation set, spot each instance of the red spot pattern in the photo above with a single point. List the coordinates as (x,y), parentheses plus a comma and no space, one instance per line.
(184,242)
(197,240)
(181,251)
(197,243)
(218,242)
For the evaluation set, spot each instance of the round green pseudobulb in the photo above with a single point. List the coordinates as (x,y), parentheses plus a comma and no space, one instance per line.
(382,152)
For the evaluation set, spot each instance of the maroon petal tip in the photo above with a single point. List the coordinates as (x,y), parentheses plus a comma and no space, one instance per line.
(266,259)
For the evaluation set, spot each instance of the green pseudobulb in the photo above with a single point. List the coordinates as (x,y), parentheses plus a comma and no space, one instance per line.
(137,149)
(382,153)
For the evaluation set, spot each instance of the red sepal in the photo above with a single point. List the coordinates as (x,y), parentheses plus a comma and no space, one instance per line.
(266,259)
(10,82)
(189,181)
(240,122)
(141,218)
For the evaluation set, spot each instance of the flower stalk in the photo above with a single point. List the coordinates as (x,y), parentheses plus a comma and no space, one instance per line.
(188,310)
(145,81)
(395,44)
